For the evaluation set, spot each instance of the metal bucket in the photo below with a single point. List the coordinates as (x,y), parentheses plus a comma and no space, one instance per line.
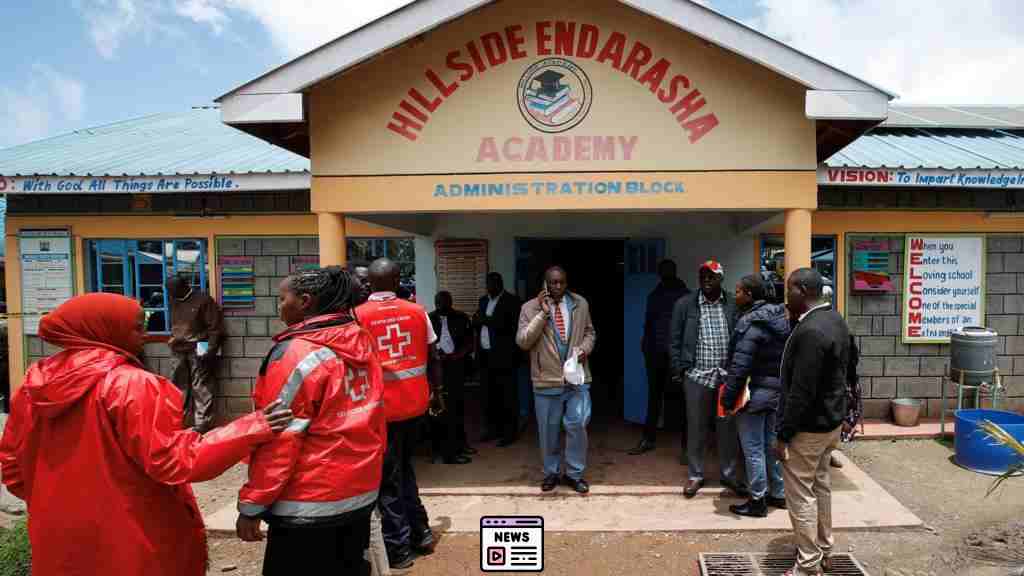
(906,412)
(972,351)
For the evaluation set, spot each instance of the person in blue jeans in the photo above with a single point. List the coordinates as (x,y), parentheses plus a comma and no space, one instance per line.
(553,326)
(755,355)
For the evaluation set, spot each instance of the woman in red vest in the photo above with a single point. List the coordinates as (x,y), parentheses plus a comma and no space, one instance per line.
(316,484)
(96,448)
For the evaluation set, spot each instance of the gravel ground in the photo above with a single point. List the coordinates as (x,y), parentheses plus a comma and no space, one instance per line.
(950,501)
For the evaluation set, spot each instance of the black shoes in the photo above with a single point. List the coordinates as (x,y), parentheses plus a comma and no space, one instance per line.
(459,459)
(779,503)
(692,487)
(754,508)
(469,451)
(506,442)
(738,491)
(580,486)
(402,560)
(425,545)
(644,446)
(549,483)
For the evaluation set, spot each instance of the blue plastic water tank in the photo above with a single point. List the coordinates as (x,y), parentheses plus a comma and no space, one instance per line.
(976,451)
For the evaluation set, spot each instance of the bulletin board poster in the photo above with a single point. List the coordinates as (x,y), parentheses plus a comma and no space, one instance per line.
(944,286)
(46,275)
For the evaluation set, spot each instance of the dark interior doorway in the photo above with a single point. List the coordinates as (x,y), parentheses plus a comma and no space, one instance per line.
(595,271)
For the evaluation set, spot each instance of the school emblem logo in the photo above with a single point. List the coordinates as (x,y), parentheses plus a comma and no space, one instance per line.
(554,95)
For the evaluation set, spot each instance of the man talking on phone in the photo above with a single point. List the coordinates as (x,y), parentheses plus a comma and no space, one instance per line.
(554,328)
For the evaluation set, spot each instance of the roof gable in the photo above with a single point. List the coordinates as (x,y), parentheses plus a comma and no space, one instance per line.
(270,97)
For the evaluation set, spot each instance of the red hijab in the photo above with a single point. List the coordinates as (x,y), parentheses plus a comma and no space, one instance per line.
(96,320)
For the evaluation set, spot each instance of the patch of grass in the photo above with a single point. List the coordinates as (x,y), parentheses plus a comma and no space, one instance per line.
(15,551)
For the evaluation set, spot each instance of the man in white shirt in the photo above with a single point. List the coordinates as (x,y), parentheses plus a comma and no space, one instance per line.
(497,320)
(455,340)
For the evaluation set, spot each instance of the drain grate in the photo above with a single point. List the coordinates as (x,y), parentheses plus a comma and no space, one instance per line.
(749,564)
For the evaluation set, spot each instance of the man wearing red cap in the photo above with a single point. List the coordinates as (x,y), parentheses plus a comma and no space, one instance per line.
(701,326)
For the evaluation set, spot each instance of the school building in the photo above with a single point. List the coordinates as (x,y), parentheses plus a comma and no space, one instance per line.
(465,136)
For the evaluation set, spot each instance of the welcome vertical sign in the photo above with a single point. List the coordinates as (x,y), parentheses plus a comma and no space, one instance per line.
(944,286)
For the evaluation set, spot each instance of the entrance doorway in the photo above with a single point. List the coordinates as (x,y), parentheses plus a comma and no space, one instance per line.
(595,269)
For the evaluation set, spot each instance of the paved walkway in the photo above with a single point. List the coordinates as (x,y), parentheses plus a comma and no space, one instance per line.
(629,493)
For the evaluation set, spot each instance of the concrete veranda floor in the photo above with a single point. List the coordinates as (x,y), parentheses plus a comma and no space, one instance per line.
(628,493)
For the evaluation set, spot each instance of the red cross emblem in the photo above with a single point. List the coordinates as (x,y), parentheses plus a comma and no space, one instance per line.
(394,341)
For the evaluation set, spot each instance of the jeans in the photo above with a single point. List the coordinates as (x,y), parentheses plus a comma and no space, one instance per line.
(764,471)
(571,409)
(701,409)
(403,517)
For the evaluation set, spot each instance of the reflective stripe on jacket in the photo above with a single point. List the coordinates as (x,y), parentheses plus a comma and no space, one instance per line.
(328,462)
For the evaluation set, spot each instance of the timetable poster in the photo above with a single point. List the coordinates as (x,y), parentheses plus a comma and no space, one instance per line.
(46,275)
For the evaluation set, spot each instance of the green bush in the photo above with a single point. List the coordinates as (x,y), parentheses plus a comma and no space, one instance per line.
(15,551)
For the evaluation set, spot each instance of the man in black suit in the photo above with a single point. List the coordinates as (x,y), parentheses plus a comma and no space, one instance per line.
(496,321)
(655,344)
(813,407)
(454,342)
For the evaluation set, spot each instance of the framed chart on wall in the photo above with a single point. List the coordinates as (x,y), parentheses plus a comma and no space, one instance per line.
(944,286)
(46,273)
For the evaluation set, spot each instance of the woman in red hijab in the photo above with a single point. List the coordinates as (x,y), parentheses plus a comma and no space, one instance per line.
(96,448)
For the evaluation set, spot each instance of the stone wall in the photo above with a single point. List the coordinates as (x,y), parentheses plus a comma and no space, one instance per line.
(248,331)
(891,369)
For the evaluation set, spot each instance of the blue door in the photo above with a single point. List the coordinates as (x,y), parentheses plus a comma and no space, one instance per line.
(640,276)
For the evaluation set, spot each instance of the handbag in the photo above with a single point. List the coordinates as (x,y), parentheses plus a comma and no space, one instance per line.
(741,402)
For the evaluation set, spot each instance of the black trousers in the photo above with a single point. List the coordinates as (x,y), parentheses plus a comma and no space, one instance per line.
(661,391)
(403,517)
(500,381)
(335,549)
(450,429)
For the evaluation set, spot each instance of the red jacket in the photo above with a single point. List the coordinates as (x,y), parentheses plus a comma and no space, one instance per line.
(399,328)
(328,462)
(95,447)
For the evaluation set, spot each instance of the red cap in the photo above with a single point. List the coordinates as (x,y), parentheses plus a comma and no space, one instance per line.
(714,267)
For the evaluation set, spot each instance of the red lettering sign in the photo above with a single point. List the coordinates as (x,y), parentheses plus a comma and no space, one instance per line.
(582,41)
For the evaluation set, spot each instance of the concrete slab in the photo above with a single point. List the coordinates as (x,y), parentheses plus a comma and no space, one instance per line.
(859,503)
(926,429)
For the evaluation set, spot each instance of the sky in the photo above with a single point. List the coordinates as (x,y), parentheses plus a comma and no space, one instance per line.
(72,64)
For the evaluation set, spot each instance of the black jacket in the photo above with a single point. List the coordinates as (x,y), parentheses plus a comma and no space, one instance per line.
(686,326)
(814,375)
(657,337)
(502,326)
(755,352)
(459,327)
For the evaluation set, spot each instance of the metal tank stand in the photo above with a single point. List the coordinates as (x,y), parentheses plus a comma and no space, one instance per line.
(982,389)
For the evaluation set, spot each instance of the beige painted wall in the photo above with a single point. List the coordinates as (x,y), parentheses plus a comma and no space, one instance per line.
(760,115)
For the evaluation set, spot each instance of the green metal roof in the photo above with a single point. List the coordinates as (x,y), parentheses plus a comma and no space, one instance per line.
(191,142)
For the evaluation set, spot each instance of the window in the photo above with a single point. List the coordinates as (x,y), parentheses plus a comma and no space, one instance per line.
(402,251)
(139,268)
(773,258)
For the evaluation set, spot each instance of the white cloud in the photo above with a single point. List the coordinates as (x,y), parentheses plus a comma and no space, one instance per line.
(31,108)
(934,52)
(298,26)
(68,92)
(203,12)
(109,21)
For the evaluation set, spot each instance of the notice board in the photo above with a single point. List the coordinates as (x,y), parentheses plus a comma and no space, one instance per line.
(46,279)
(944,286)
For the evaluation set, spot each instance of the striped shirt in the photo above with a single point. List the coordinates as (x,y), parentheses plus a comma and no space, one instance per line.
(712,343)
